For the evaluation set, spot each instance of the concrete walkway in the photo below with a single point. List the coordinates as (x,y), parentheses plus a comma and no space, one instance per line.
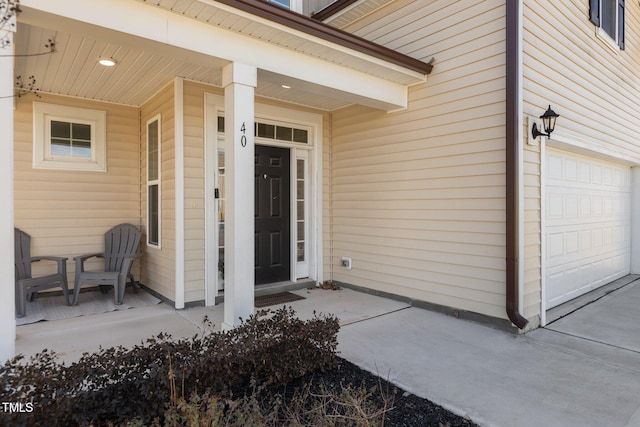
(582,372)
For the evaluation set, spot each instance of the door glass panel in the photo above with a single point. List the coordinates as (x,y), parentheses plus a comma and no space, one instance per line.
(283,133)
(300,196)
(301,210)
(266,131)
(300,135)
(221,214)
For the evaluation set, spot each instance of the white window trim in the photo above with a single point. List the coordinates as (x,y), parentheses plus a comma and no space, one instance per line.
(608,41)
(157,182)
(44,113)
(294,5)
(611,42)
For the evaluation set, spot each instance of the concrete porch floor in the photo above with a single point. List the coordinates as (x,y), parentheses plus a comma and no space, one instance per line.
(583,370)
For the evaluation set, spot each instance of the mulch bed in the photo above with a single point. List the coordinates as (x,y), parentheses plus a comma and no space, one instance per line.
(407,410)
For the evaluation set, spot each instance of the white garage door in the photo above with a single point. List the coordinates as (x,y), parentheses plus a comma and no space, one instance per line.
(588,224)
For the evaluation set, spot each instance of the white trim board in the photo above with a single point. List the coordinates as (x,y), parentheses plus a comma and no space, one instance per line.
(179,182)
(7,265)
(568,141)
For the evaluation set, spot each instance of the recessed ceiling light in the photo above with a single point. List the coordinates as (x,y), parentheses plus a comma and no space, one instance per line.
(107,62)
(286,87)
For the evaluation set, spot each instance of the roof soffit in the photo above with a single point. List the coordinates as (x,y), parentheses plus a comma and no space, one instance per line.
(343,12)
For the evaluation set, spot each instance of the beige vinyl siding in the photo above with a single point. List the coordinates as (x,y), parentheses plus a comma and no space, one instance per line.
(159,263)
(327,244)
(194,190)
(194,203)
(67,212)
(590,83)
(417,196)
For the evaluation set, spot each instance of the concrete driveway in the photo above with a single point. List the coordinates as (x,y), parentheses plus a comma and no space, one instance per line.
(583,370)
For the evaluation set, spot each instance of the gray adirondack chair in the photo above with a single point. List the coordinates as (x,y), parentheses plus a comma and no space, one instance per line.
(120,250)
(28,286)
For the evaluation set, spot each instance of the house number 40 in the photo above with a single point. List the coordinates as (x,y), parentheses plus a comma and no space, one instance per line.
(243,138)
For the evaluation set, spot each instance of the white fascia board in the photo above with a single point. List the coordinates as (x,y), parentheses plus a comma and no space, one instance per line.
(417,76)
(153,23)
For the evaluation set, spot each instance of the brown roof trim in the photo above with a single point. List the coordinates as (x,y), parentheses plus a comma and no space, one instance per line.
(326,32)
(332,9)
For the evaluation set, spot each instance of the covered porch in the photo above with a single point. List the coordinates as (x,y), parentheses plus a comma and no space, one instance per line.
(197,76)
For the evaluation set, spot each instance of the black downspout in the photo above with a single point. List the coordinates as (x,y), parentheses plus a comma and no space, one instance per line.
(512,160)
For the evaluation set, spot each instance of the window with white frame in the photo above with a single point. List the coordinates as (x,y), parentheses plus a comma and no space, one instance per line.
(153,181)
(69,138)
(608,16)
(295,5)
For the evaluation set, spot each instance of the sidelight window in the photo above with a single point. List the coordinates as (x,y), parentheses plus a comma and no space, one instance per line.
(153,181)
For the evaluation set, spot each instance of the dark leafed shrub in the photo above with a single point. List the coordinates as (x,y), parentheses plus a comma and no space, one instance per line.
(119,384)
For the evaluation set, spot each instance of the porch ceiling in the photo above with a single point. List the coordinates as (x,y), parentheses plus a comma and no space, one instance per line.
(146,65)
(73,70)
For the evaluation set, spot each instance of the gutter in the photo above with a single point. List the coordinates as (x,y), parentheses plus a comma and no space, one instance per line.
(313,27)
(513,149)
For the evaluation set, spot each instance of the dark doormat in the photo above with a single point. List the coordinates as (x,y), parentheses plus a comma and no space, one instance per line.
(274,299)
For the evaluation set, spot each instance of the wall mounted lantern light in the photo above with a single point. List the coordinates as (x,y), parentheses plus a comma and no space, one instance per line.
(548,121)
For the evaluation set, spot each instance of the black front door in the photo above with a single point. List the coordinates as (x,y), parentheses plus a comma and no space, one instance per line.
(272,212)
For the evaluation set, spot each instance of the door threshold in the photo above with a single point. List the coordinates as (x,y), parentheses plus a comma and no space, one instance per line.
(274,288)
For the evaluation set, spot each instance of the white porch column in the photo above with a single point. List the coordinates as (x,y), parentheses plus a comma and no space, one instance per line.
(7,269)
(239,81)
